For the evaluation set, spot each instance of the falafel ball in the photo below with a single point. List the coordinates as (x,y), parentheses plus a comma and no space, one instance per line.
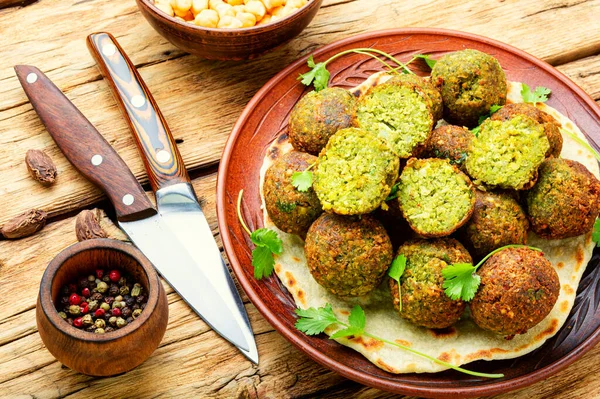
(470,82)
(518,289)
(355,172)
(450,142)
(435,197)
(400,112)
(424,301)
(564,202)
(497,220)
(318,115)
(508,153)
(429,90)
(551,126)
(348,255)
(291,210)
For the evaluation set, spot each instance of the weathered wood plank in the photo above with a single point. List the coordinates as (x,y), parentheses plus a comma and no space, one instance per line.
(201,99)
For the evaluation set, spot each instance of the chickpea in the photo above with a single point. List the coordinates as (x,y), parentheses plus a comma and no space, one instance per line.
(199,5)
(207,19)
(257,8)
(271,4)
(235,2)
(295,3)
(247,19)
(287,11)
(212,4)
(189,16)
(277,11)
(181,7)
(225,9)
(229,22)
(265,20)
(166,8)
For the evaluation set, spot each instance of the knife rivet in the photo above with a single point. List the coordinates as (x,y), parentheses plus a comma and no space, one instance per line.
(31,78)
(128,199)
(97,159)
(163,156)
(138,101)
(109,49)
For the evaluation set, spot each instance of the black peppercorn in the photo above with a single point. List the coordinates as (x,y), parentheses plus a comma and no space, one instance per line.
(96,296)
(65,290)
(83,282)
(108,329)
(129,319)
(135,306)
(129,301)
(113,290)
(140,298)
(105,278)
(126,312)
(64,300)
(109,299)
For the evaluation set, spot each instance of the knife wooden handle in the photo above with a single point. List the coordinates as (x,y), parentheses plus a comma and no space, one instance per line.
(84,146)
(155,142)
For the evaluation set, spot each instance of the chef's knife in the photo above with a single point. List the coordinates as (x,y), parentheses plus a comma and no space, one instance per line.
(93,156)
(175,197)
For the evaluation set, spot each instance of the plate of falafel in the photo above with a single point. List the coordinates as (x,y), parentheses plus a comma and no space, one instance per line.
(447,203)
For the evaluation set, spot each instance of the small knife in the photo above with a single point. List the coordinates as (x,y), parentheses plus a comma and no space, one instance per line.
(201,282)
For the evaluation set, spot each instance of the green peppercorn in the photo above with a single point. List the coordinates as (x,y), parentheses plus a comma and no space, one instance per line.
(136,290)
(87,320)
(121,322)
(105,306)
(93,305)
(102,287)
(122,281)
(62,315)
(116,304)
(74,310)
(112,321)
(124,290)
(100,323)
(99,331)
(118,298)
(91,279)
(136,313)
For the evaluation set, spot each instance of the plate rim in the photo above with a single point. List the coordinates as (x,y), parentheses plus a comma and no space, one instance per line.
(495,386)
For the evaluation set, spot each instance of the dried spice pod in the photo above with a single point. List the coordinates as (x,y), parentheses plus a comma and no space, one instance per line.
(87,225)
(25,224)
(41,167)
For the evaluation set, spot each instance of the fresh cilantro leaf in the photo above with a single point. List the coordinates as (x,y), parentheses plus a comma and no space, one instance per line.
(318,75)
(396,271)
(596,233)
(302,180)
(495,108)
(428,60)
(263,262)
(394,192)
(314,321)
(346,332)
(357,318)
(476,130)
(460,281)
(539,95)
(267,238)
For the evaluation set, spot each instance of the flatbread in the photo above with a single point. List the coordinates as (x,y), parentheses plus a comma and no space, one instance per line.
(464,342)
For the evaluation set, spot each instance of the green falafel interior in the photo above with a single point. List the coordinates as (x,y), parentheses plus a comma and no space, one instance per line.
(465,341)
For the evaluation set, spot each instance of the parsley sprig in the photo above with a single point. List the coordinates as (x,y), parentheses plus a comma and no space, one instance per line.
(393,192)
(314,321)
(493,109)
(303,181)
(267,243)
(596,233)
(539,95)
(396,271)
(318,75)
(460,280)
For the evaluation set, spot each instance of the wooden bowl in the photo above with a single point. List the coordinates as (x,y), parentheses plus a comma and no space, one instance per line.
(101,354)
(228,44)
(266,117)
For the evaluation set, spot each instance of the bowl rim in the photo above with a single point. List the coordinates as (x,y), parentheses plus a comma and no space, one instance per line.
(45,292)
(271,26)
(494,387)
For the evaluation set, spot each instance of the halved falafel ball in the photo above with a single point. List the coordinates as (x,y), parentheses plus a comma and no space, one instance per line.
(565,200)
(497,220)
(348,255)
(450,142)
(518,289)
(424,301)
(470,82)
(355,172)
(435,197)
(507,154)
(318,115)
(400,113)
(434,96)
(551,125)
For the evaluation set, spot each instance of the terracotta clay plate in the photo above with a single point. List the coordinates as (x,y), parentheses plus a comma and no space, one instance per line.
(265,118)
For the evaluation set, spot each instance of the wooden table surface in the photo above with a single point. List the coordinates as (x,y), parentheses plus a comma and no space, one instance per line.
(201,101)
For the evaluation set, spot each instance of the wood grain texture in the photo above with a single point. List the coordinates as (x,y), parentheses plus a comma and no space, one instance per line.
(201,101)
(147,124)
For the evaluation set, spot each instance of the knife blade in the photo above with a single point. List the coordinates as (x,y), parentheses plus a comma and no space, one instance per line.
(175,197)
(93,156)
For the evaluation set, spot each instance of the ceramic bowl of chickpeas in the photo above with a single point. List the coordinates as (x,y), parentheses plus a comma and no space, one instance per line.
(229,29)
